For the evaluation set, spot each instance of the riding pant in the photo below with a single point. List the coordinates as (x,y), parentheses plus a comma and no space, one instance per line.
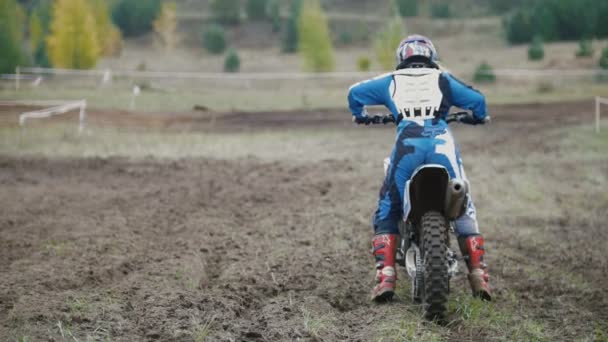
(415,146)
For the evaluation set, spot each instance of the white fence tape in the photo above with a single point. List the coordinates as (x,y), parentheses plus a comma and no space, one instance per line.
(57,110)
(37,103)
(197,75)
(107,73)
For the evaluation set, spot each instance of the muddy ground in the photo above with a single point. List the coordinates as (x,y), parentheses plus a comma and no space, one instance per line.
(255,250)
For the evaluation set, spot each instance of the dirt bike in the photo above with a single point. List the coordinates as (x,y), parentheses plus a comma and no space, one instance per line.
(424,249)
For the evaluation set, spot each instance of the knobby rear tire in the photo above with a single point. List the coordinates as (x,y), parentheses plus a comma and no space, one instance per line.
(436,278)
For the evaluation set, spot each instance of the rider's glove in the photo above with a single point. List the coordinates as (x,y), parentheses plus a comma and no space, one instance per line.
(362,120)
(471,120)
(366,120)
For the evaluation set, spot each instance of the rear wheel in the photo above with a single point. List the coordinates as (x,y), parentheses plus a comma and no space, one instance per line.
(435,262)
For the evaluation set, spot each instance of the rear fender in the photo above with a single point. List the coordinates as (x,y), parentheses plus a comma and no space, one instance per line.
(425,191)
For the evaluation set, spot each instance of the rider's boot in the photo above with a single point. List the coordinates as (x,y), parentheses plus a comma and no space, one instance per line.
(472,250)
(384,251)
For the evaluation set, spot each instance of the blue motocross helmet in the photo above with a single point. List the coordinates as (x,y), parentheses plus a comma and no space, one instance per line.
(416,48)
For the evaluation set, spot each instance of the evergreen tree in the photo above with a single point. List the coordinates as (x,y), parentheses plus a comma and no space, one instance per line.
(604,59)
(165,25)
(536,51)
(43,10)
(274,13)
(585,48)
(290,39)
(407,8)
(11,35)
(72,42)
(484,74)
(315,44)
(214,39)
(135,17)
(232,63)
(226,11)
(256,9)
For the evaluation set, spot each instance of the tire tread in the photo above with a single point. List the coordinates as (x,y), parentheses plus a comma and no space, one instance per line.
(436,278)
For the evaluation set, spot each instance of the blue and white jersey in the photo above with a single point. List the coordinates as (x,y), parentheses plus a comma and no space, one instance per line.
(419,95)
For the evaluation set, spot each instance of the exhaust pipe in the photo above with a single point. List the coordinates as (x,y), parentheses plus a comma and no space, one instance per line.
(456,199)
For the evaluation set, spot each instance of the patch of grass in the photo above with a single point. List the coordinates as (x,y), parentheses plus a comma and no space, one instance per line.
(601,334)
(487,316)
(65,330)
(412,330)
(63,140)
(315,324)
(201,330)
(79,306)
(57,248)
(586,140)
(274,95)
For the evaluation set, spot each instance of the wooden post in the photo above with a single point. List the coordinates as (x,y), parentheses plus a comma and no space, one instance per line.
(81,116)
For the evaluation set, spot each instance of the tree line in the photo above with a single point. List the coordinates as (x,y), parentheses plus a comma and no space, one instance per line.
(553,20)
(76,33)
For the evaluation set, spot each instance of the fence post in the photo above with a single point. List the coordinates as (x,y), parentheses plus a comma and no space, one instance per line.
(17,77)
(81,116)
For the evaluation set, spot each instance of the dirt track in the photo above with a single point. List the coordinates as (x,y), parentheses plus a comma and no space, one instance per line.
(255,250)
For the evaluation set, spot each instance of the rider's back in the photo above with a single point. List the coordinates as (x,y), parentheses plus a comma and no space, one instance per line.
(416,96)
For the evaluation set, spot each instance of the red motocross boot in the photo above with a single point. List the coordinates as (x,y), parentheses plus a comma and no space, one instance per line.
(384,252)
(472,250)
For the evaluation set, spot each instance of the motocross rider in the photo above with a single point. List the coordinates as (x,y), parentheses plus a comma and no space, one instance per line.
(419,95)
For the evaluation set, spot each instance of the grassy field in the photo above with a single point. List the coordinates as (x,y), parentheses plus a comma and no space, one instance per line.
(284,95)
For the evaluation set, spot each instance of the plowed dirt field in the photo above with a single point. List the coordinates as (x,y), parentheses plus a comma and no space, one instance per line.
(269,245)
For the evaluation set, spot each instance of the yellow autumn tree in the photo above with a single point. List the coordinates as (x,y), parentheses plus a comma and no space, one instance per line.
(165,25)
(108,36)
(73,41)
(314,43)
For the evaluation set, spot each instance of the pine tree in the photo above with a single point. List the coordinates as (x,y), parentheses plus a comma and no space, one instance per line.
(256,9)
(290,39)
(536,50)
(407,8)
(135,17)
(315,44)
(165,25)
(387,41)
(109,38)
(226,11)
(72,42)
(232,63)
(11,34)
(274,13)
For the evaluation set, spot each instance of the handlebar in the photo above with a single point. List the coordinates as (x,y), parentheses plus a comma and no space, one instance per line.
(462,117)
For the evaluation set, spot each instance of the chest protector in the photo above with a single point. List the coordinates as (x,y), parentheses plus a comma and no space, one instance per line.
(416,93)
